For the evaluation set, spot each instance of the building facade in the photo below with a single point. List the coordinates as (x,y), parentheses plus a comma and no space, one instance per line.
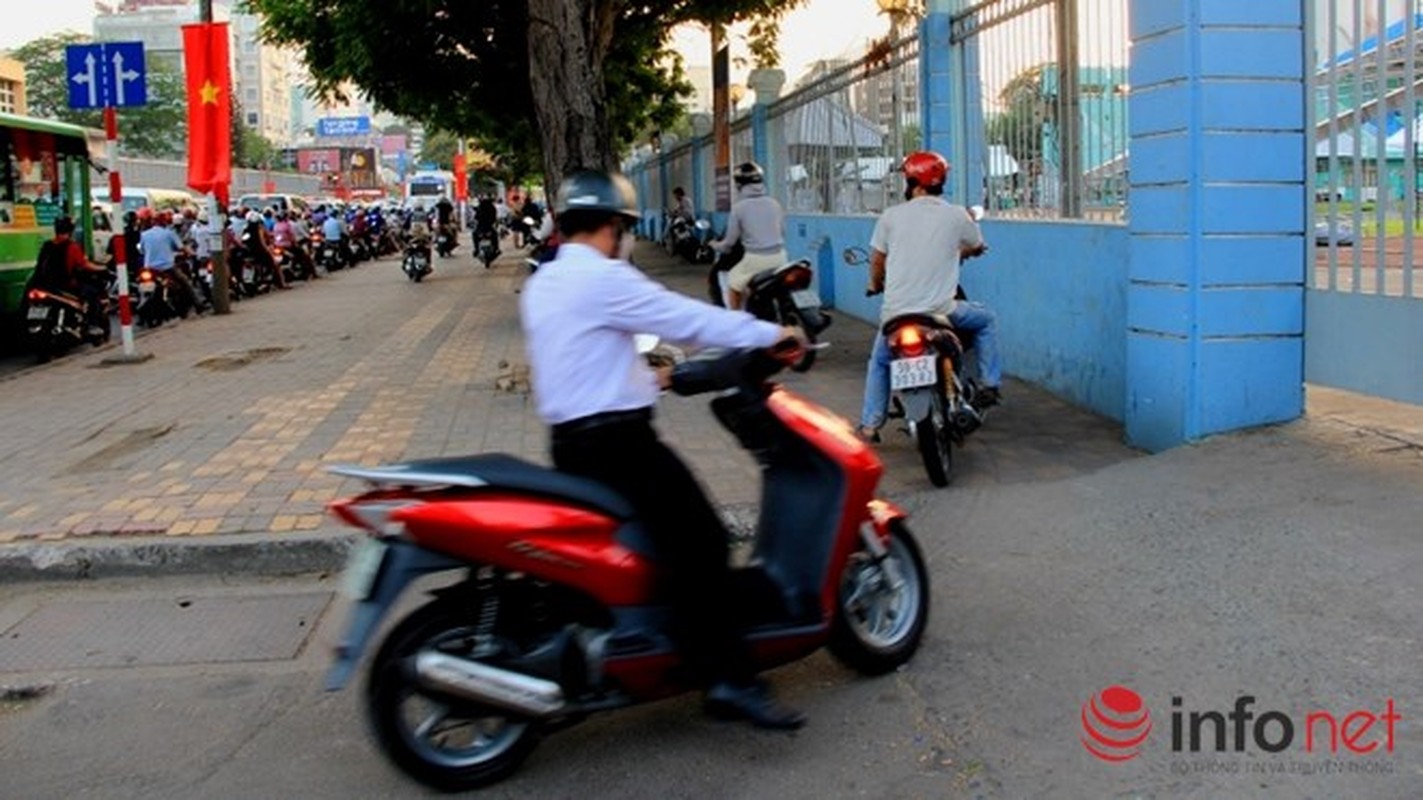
(262,75)
(263,80)
(12,87)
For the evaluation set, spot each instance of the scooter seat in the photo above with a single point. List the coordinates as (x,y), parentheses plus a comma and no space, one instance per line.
(499,471)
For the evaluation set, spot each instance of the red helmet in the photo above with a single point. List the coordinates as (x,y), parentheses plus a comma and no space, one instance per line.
(926,168)
(145,214)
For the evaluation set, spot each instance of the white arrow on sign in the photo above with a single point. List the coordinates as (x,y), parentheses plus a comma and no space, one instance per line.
(120,76)
(90,78)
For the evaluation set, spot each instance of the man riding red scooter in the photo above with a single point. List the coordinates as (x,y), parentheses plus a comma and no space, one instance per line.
(581,583)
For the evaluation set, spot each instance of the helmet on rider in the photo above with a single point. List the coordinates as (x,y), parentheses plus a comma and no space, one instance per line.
(145,214)
(589,200)
(253,216)
(925,169)
(749,172)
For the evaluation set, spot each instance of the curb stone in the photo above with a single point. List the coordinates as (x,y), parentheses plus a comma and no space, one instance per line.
(242,554)
(233,554)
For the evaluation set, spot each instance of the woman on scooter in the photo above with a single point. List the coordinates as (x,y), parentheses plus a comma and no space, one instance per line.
(759,223)
(580,314)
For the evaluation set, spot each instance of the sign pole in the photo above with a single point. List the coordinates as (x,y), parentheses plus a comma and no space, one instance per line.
(116,197)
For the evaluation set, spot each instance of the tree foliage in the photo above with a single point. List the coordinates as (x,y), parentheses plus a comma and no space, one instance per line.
(1029,117)
(545,84)
(156,130)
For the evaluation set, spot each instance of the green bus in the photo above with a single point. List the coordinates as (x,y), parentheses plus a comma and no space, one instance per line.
(44,173)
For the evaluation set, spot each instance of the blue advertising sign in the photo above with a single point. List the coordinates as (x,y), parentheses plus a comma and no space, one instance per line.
(106,74)
(343,126)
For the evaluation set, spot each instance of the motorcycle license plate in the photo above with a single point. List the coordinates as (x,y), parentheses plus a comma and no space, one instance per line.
(38,312)
(912,373)
(805,298)
(362,567)
(249,274)
(146,286)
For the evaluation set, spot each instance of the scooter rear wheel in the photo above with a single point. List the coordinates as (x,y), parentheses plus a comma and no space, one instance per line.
(442,742)
(883,606)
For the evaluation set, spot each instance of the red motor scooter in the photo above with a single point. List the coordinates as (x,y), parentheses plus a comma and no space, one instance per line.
(560,613)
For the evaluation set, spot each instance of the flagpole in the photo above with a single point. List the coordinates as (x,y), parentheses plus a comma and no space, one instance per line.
(221,298)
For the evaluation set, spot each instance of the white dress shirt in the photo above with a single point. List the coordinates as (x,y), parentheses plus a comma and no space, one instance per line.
(580,312)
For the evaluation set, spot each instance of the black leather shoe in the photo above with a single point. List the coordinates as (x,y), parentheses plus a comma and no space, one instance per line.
(752,702)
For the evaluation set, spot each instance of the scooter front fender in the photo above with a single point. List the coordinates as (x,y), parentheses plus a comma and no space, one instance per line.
(402,563)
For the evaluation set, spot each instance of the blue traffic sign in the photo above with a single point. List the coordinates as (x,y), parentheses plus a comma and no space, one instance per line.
(106,74)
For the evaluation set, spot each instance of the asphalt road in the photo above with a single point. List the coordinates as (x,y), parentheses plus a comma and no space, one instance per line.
(1280,564)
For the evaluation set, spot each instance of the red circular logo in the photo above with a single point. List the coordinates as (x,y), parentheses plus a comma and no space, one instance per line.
(1114,724)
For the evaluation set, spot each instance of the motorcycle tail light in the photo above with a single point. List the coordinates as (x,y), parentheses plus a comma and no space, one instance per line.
(373,515)
(909,341)
(145,275)
(798,278)
(36,295)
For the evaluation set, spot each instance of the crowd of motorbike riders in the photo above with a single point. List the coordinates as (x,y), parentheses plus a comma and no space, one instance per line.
(169,264)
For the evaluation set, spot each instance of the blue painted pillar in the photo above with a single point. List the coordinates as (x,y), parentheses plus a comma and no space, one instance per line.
(936,86)
(1215,303)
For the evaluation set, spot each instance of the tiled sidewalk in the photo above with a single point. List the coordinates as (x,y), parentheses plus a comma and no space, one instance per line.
(230,427)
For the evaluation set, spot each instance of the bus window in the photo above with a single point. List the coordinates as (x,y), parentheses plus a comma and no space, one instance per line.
(36,179)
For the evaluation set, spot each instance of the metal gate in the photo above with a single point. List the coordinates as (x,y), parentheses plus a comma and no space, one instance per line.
(1364,298)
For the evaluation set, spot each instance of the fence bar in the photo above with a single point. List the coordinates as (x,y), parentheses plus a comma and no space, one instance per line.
(1069,111)
(1410,143)
(1381,163)
(1357,63)
(1333,185)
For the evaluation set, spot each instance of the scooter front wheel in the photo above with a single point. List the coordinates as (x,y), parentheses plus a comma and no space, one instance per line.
(443,742)
(883,606)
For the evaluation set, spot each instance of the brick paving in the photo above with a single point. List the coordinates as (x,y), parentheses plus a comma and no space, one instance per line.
(230,427)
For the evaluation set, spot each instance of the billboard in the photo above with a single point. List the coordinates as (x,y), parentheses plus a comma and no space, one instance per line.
(343,126)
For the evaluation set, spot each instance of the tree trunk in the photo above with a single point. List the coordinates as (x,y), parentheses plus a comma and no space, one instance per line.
(568,40)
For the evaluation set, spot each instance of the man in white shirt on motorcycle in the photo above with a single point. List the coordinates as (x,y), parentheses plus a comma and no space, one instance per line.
(580,314)
(915,256)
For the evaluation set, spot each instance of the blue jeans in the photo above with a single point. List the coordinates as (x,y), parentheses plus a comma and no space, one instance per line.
(975,318)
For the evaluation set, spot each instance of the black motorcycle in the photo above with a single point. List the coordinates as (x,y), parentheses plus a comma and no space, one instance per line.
(445,240)
(416,263)
(486,245)
(782,295)
(56,321)
(931,386)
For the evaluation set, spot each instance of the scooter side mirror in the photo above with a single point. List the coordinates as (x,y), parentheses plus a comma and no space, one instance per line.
(703,225)
(856,255)
(529,221)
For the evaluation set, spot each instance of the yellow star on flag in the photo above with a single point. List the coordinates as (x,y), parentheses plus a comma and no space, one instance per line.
(209,93)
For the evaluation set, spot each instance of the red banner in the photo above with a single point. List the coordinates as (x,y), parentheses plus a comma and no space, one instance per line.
(205,56)
(461,178)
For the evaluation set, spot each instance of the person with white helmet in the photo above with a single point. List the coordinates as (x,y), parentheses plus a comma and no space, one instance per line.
(258,243)
(758,224)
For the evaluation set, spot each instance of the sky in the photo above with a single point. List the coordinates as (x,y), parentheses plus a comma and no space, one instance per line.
(56,16)
(823,29)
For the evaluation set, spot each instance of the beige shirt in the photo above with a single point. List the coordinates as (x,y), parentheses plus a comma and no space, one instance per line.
(922,240)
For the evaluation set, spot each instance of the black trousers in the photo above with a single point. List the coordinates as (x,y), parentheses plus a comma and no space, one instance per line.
(690,538)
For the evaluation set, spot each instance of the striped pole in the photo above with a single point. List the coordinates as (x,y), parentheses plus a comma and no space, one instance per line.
(116,196)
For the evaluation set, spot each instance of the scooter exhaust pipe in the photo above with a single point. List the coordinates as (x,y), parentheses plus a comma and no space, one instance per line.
(471,680)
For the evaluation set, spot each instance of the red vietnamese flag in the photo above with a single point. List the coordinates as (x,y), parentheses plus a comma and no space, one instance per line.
(205,57)
(461,171)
